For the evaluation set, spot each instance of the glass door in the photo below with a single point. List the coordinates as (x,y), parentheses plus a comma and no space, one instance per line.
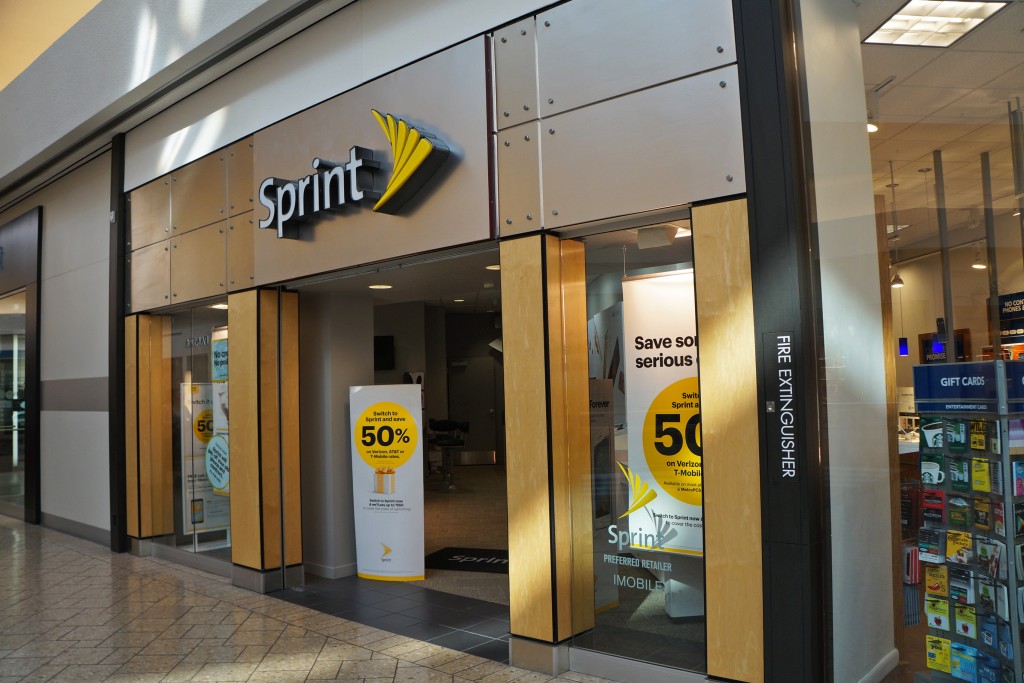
(12,404)
(646,481)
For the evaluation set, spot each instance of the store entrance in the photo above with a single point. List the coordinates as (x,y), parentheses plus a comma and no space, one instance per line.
(436,324)
(12,404)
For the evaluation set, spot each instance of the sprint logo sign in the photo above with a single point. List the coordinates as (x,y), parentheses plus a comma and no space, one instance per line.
(386,551)
(640,494)
(335,185)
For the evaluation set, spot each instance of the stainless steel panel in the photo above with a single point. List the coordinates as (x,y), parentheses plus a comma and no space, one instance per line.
(519,200)
(241,231)
(674,144)
(151,213)
(151,277)
(199,263)
(515,74)
(240,184)
(199,193)
(590,50)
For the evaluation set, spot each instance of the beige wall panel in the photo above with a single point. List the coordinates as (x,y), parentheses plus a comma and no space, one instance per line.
(199,263)
(292,492)
(522,286)
(269,429)
(131,424)
(162,486)
(519,201)
(151,277)
(729,419)
(892,419)
(445,93)
(246,535)
(199,193)
(241,229)
(560,445)
(240,183)
(151,213)
(145,402)
(515,73)
(577,401)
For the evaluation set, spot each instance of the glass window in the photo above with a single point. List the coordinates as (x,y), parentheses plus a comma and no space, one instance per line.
(646,481)
(12,404)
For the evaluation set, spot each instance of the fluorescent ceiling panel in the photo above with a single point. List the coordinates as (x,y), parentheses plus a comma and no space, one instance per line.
(933,23)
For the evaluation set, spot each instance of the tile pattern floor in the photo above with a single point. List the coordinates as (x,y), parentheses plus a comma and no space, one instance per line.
(70,610)
(473,626)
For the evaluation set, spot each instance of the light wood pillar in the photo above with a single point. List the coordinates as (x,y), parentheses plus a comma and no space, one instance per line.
(547,437)
(148,461)
(729,436)
(266,521)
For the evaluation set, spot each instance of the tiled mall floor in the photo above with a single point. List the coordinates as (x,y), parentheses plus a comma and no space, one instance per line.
(70,610)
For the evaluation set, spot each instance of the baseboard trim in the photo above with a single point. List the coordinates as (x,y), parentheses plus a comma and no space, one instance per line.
(77,529)
(326,572)
(882,668)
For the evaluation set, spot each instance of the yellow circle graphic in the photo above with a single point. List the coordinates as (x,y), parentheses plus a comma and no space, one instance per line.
(202,426)
(385,435)
(672,441)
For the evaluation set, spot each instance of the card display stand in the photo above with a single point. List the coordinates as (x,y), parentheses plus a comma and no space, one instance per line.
(970,543)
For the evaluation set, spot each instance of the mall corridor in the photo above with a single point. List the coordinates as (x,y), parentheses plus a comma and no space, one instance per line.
(70,610)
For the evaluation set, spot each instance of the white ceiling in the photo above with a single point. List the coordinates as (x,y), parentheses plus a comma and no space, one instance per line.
(950,99)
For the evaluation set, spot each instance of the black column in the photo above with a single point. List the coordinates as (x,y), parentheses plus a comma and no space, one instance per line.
(118,232)
(785,319)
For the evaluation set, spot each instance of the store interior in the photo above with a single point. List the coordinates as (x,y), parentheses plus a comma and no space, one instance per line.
(12,408)
(940,109)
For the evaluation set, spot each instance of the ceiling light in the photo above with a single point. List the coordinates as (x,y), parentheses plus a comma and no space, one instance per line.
(494,267)
(683,231)
(933,23)
(978,263)
(872,128)
(458,301)
(896,282)
(219,307)
(380,286)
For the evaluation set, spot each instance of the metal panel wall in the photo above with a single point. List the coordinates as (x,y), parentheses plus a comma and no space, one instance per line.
(151,213)
(151,277)
(678,143)
(593,50)
(198,193)
(515,73)
(199,263)
(519,180)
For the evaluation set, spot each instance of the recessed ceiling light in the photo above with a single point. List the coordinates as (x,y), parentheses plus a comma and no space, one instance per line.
(494,267)
(380,286)
(933,23)
(458,301)
(219,307)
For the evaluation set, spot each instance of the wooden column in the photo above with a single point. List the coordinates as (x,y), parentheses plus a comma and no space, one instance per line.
(547,437)
(729,436)
(148,459)
(266,519)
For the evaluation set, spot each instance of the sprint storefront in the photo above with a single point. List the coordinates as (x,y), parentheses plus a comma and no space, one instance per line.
(611,188)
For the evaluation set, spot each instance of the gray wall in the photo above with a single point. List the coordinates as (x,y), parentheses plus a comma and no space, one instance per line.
(336,338)
(74,293)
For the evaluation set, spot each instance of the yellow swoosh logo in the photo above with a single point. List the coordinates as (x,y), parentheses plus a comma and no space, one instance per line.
(640,493)
(417,157)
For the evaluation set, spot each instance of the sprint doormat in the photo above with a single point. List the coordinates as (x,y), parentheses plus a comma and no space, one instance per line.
(469,560)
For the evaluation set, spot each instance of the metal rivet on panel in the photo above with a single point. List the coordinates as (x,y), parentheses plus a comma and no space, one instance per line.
(250,144)
(250,200)
(529,216)
(522,32)
(220,284)
(721,84)
(232,206)
(222,209)
(526,107)
(504,40)
(231,227)
(175,294)
(175,246)
(220,230)
(554,212)
(166,183)
(222,157)
(551,100)
(232,282)
(174,179)
(551,131)
(252,277)
(505,113)
(720,49)
(167,229)
(526,137)
(508,221)
(507,143)
(165,248)
(547,23)
(250,221)
(729,178)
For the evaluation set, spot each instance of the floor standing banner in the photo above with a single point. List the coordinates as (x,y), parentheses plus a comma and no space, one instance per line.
(662,415)
(202,508)
(387,481)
